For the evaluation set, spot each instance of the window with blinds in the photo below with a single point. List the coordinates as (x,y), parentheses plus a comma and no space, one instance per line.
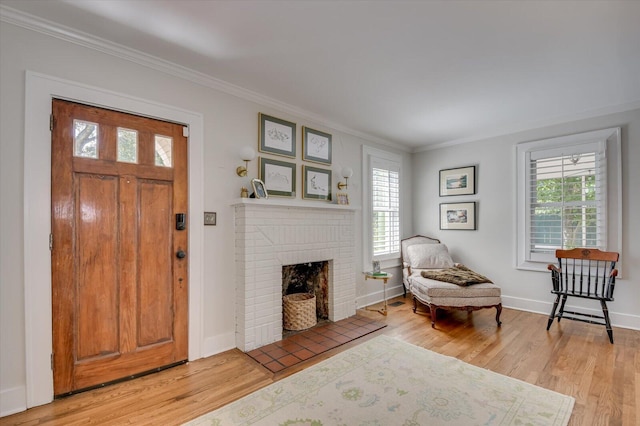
(385,203)
(567,202)
(568,196)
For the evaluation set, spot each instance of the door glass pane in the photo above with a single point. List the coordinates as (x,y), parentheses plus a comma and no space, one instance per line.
(163,150)
(85,139)
(127,145)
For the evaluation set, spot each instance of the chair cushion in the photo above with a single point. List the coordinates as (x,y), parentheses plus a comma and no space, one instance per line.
(429,256)
(446,294)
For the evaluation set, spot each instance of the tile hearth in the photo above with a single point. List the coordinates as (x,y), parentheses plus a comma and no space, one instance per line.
(304,345)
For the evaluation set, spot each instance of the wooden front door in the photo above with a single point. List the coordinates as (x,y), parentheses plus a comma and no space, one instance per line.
(119,265)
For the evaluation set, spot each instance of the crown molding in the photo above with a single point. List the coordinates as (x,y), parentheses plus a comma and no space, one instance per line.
(523,127)
(53,29)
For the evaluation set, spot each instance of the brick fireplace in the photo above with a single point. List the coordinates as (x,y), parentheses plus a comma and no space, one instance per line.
(273,233)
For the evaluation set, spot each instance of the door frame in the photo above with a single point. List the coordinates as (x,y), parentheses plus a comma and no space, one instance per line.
(40,89)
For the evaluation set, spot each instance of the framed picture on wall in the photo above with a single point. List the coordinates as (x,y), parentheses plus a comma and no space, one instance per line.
(277,136)
(316,146)
(279,177)
(458,216)
(317,183)
(460,181)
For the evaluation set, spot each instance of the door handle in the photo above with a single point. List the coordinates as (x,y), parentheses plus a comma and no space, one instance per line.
(181,254)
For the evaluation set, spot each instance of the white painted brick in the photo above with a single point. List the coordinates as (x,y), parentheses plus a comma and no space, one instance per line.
(268,237)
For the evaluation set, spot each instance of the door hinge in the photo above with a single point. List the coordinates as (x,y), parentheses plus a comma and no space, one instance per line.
(52,122)
(50,242)
(185,131)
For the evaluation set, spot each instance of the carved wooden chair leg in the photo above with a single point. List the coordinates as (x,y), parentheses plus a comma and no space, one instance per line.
(433,309)
(415,305)
(553,312)
(498,312)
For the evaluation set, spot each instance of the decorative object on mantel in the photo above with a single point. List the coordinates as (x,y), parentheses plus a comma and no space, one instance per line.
(343,198)
(316,146)
(279,177)
(317,183)
(458,216)
(460,181)
(346,173)
(277,136)
(259,191)
(246,154)
(244,192)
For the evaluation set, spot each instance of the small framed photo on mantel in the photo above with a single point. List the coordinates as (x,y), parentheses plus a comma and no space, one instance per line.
(259,190)
(343,198)
(460,181)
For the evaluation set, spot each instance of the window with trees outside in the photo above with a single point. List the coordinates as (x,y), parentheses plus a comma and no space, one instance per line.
(567,201)
(563,198)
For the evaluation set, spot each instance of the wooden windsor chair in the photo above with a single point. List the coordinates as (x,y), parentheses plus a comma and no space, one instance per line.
(588,274)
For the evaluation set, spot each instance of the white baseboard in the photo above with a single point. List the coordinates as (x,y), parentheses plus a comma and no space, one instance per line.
(217,344)
(617,319)
(13,401)
(378,296)
(529,305)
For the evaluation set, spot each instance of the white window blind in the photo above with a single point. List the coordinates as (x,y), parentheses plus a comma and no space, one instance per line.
(567,199)
(385,203)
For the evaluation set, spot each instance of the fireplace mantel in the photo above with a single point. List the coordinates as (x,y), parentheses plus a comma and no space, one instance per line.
(271,233)
(287,202)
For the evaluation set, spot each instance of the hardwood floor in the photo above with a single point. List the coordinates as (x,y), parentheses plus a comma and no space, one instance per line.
(572,358)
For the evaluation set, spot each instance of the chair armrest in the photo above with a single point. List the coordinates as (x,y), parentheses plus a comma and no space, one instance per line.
(554,268)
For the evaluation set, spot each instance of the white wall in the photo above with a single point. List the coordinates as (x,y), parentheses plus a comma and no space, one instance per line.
(491,249)
(230,122)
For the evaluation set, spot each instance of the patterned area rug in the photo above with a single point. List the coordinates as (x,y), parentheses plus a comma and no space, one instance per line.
(389,382)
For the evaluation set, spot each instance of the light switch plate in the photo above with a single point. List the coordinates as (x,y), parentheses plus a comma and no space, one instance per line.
(210,218)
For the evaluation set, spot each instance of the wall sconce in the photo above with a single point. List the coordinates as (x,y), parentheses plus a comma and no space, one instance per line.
(347,172)
(246,154)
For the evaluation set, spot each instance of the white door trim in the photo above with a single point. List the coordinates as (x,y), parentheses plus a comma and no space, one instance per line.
(39,90)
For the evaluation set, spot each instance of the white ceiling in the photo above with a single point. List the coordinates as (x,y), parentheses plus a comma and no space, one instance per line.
(417,73)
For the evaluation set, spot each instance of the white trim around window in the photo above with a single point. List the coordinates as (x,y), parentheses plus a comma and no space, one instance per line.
(548,156)
(372,157)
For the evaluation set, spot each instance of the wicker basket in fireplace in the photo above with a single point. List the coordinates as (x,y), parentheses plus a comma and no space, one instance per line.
(299,311)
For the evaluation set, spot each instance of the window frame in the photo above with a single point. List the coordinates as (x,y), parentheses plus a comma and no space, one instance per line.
(612,214)
(369,155)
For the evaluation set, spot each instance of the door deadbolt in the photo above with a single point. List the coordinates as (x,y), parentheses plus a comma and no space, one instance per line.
(181,221)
